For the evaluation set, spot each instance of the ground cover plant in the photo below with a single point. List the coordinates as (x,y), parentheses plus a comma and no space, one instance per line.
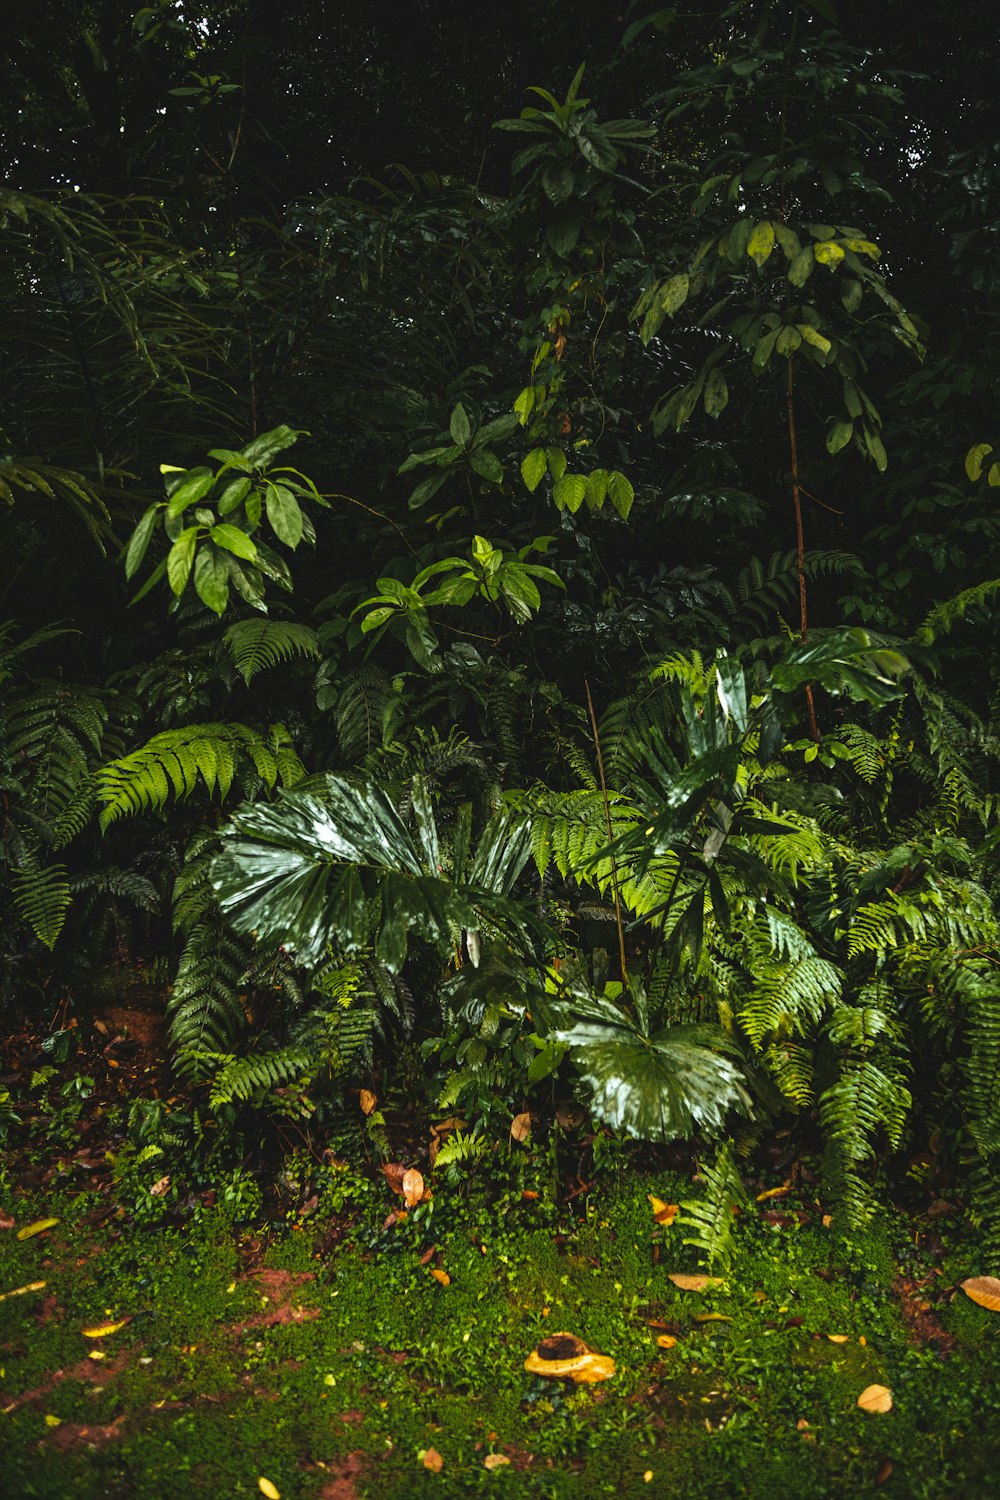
(498,746)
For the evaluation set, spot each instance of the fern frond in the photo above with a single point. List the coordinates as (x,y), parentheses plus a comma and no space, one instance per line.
(711,1216)
(173,763)
(42,897)
(258,644)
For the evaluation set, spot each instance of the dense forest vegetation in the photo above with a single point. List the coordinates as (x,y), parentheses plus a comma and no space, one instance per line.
(499,519)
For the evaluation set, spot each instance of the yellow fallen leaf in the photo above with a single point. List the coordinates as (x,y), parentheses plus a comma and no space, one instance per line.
(103,1329)
(712,1317)
(495,1461)
(875,1398)
(441,1276)
(413,1187)
(36,1228)
(862,1340)
(666,1341)
(270,1490)
(985,1290)
(520,1126)
(663,1213)
(19,1291)
(368,1101)
(432,1460)
(778,1192)
(693,1283)
(827,1220)
(51,1421)
(647,1478)
(97,1354)
(837,1338)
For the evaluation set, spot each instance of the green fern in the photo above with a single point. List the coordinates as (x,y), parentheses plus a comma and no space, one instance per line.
(42,897)
(711,1217)
(172,764)
(255,645)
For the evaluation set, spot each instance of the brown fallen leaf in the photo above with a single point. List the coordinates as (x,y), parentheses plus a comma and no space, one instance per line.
(495,1461)
(663,1213)
(160,1187)
(7,1221)
(697,1283)
(884,1472)
(394,1173)
(38,1227)
(985,1290)
(413,1187)
(432,1460)
(802,1425)
(875,1398)
(520,1126)
(530,1196)
(666,1341)
(428,1255)
(398,1216)
(368,1101)
(441,1276)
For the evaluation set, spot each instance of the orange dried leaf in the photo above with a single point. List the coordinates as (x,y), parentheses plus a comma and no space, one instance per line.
(666,1341)
(368,1101)
(412,1187)
(875,1398)
(520,1126)
(394,1174)
(663,1213)
(160,1187)
(441,1276)
(432,1460)
(985,1290)
(688,1283)
(837,1338)
(827,1220)
(495,1461)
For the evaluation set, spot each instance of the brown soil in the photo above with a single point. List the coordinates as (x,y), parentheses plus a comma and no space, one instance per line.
(342,1485)
(279,1287)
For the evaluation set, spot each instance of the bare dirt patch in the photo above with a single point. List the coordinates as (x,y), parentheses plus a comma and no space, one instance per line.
(279,1288)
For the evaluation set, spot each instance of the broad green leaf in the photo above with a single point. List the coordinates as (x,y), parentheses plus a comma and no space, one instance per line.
(556,460)
(460,427)
(621,493)
(285,515)
(190,491)
(211,579)
(486,465)
(234,540)
(761,242)
(876,448)
(570,492)
(828,253)
(814,337)
(533,467)
(839,436)
(788,340)
(180,558)
(802,266)
(674,293)
(974,459)
(716,392)
(234,495)
(993,476)
(851,293)
(140,541)
(788,240)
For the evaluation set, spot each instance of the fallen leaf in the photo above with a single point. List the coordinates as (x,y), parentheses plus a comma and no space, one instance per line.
(160,1187)
(51,1421)
(985,1290)
(432,1460)
(495,1461)
(827,1220)
(97,1354)
(7,1221)
(520,1126)
(666,1341)
(837,1338)
(270,1490)
(875,1398)
(104,1329)
(778,1192)
(530,1196)
(712,1317)
(428,1255)
(663,1213)
(394,1174)
(441,1276)
(19,1291)
(647,1478)
(412,1187)
(802,1425)
(693,1283)
(36,1228)
(398,1216)
(884,1472)
(368,1101)
(862,1340)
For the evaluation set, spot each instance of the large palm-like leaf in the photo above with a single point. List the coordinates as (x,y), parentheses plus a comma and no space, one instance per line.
(656,1087)
(291,872)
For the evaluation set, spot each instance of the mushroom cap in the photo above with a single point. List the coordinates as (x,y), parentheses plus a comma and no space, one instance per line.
(562,1356)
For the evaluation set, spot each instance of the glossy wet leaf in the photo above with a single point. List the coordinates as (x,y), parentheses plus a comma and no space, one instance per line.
(39,1226)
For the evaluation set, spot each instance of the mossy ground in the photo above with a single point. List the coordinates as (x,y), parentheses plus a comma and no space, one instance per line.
(331,1371)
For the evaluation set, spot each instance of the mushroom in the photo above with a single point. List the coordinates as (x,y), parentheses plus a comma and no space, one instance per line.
(562,1356)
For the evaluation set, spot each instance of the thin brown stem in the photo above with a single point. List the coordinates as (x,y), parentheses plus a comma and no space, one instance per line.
(611,837)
